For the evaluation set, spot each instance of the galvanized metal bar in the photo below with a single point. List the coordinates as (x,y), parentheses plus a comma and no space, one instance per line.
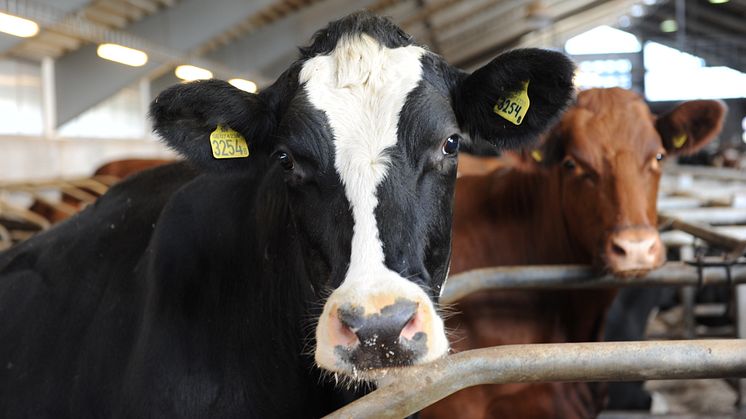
(705,233)
(710,215)
(741,333)
(577,276)
(411,389)
(717,173)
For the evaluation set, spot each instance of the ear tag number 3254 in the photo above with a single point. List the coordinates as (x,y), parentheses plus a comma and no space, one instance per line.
(228,144)
(514,107)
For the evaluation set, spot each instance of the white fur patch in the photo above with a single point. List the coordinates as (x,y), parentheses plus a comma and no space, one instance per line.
(362,87)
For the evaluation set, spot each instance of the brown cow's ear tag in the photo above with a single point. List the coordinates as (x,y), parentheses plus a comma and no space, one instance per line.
(536,154)
(228,144)
(514,107)
(679,141)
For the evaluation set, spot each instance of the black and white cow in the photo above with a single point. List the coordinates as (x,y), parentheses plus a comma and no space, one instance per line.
(202,288)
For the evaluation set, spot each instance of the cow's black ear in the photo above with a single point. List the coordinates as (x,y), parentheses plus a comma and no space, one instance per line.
(691,125)
(213,124)
(511,100)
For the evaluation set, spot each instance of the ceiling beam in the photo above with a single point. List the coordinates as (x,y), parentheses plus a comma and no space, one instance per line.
(718,20)
(7,42)
(262,53)
(494,36)
(575,24)
(84,80)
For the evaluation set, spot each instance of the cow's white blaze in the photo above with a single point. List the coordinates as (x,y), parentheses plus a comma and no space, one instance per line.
(362,87)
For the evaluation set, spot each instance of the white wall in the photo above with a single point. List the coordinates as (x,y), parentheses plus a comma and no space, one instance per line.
(26,158)
(114,129)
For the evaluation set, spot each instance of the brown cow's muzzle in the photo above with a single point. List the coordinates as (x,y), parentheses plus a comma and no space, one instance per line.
(633,251)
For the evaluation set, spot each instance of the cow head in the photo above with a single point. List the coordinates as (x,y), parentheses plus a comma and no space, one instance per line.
(607,152)
(361,135)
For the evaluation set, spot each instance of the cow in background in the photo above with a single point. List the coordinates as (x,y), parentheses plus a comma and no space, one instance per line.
(591,199)
(323,204)
(112,172)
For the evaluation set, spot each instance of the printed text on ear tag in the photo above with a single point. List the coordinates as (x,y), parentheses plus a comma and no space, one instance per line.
(228,144)
(679,141)
(514,107)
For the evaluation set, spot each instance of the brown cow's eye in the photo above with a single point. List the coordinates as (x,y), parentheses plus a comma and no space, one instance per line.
(660,156)
(285,160)
(569,164)
(450,146)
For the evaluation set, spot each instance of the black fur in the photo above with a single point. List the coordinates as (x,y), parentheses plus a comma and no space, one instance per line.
(379,28)
(550,89)
(184,115)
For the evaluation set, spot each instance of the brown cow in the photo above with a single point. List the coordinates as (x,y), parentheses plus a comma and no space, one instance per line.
(592,200)
(115,170)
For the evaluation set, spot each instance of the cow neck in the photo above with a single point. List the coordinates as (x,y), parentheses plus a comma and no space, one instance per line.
(519,221)
(535,201)
(237,280)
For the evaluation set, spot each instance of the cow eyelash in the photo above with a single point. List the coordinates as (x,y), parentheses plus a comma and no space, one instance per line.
(569,164)
(451,145)
(285,159)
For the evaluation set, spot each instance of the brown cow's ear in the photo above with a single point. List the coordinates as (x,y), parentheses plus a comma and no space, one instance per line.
(551,149)
(691,125)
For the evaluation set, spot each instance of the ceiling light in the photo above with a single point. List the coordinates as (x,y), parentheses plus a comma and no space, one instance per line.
(190,72)
(637,10)
(246,85)
(122,55)
(669,25)
(718,1)
(18,26)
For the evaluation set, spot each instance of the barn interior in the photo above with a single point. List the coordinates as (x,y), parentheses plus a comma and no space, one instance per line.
(77,78)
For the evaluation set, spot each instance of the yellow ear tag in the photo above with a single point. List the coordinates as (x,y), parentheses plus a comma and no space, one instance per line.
(228,144)
(536,154)
(679,141)
(514,107)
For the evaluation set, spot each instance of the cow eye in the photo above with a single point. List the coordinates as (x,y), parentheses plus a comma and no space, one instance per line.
(569,164)
(286,162)
(450,146)
(660,157)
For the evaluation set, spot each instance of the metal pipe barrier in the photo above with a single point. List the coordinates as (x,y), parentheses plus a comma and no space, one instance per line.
(706,233)
(715,173)
(409,390)
(579,276)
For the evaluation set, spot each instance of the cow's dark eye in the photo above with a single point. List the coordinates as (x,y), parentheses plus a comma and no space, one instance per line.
(660,156)
(286,161)
(450,146)
(569,164)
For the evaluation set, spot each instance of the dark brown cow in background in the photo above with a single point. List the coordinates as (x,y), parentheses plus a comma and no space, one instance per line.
(591,200)
(114,171)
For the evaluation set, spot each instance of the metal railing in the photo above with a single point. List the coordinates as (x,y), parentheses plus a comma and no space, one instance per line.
(414,388)
(409,390)
(580,276)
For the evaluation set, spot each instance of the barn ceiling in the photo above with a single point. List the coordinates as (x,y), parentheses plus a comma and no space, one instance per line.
(256,39)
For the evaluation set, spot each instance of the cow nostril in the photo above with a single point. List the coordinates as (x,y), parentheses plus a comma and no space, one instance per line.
(412,327)
(345,331)
(653,247)
(347,335)
(618,250)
